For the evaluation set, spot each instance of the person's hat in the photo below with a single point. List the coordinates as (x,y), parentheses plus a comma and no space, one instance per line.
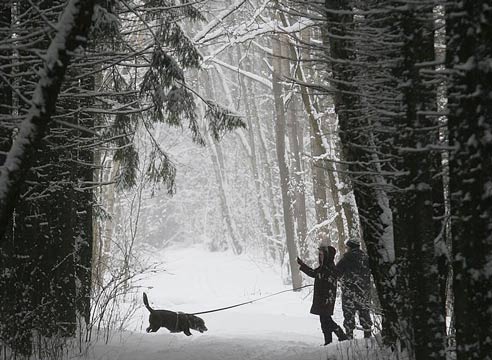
(329,250)
(324,240)
(352,243)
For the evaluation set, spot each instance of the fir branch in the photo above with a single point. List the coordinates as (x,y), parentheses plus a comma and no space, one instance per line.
(185,51)
(221,119)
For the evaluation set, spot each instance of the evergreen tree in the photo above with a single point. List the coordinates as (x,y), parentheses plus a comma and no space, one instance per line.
(49,255)
(468,58)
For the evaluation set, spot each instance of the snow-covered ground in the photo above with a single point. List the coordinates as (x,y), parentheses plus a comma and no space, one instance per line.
(279,327)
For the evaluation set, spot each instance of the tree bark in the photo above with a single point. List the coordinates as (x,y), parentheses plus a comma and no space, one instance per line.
(367,183)
(316,142)
(280,133)
(74,27)
(266,161)
(468,58)
(413,204)
(297,185)
(267,229)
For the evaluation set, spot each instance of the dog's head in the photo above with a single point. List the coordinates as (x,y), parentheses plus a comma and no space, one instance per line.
(197,323)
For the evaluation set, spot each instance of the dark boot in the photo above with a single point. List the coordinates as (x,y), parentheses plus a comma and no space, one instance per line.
(340,334)
(328,338)
(367,334)
(349,333)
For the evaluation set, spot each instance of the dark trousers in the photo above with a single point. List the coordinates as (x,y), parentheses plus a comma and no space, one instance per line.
(328,325)
(350,306)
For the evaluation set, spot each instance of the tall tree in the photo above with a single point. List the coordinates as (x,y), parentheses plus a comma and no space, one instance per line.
(468,58)
(280,133)
(51,255)
(357,139)
(416,131)
(297,185)
(5,89)
(76,20)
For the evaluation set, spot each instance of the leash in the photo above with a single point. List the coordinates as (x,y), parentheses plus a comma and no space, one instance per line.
(251,301)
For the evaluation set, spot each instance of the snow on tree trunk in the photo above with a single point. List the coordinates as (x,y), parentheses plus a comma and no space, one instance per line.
(469,59)
(356,139)
(297,186)
(31,259)
(410,55)
(280,132)
(72,30)
(266,227)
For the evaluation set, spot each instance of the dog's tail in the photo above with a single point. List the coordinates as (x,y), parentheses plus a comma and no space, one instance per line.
(146,303)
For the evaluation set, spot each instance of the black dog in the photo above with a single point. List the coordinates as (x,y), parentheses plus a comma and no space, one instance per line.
(173,321)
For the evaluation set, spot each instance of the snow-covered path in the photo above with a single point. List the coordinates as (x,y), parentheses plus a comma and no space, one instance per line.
(195,280)
(133,346)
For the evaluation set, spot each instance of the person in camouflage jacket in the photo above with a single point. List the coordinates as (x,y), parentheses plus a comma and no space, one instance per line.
(355,274)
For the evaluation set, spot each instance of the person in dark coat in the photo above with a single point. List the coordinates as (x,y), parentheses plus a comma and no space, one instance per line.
(355,274)
(325,292)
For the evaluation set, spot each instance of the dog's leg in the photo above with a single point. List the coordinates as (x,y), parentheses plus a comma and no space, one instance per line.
(187,331)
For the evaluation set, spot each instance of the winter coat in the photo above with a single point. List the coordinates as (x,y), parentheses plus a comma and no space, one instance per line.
(355,274)
(325,288)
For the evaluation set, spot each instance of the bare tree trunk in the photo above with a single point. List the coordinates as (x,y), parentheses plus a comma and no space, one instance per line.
(232,239)
(267,229)
(330,167)
(96,224)
(266,161)
(316,143)
(217,157)
(215,151)
(297,184)
(280,131)
(348,201)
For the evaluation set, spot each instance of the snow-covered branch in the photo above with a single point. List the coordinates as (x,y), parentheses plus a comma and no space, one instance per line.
(72,31)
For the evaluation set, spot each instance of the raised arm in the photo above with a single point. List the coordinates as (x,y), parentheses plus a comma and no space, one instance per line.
(306,269)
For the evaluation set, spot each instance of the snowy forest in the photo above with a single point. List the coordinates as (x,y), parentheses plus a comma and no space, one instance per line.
(135,134)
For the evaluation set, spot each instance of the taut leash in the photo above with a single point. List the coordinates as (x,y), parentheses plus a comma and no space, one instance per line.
(251,301)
